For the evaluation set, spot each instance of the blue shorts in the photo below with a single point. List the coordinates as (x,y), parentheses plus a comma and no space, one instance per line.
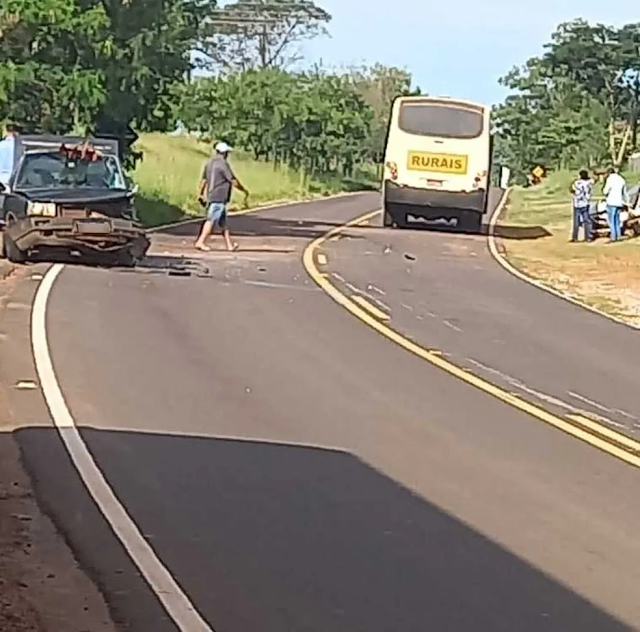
(217,214)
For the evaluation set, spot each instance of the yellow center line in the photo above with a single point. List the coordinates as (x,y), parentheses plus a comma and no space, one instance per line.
(591,433)
(603,430)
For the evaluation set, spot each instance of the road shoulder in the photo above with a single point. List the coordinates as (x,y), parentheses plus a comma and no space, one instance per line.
(531,241)
(42,587)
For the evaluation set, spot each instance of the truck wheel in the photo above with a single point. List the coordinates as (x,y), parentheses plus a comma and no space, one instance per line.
(126,259)
(11,251)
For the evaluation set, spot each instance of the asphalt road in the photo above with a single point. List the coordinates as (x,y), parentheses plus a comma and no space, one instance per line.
(295,470)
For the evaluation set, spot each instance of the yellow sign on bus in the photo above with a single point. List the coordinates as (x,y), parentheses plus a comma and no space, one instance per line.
(456,164)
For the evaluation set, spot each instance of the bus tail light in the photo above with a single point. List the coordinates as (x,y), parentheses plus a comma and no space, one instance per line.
(480,176)
(393,169)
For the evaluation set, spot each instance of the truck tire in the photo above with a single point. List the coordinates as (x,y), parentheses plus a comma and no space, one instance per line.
(9,249)
(126,259)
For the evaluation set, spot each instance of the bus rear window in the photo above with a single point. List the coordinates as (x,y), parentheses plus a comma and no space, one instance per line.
(426,119)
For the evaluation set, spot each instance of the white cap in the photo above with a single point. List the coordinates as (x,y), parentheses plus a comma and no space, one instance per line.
(222,147)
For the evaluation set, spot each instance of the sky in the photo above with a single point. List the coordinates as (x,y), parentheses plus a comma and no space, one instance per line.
(459,48)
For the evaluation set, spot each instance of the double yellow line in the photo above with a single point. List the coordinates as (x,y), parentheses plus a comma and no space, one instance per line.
(591,432)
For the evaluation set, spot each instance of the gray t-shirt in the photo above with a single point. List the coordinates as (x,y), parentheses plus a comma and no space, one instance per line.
(219,178)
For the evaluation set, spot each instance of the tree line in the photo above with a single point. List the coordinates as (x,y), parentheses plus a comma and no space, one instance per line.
(575,105)
(317,121)
(101,66)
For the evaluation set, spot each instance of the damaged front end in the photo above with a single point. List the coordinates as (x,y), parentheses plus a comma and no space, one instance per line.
(101,226)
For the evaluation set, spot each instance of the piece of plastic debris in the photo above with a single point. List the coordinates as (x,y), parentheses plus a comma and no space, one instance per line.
(26,385)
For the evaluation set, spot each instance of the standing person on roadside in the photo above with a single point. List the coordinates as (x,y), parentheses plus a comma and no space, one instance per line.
(216,184)
(581,190)
(615,192)
(8,148)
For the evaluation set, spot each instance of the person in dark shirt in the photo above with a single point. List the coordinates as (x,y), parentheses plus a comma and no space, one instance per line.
(216,185)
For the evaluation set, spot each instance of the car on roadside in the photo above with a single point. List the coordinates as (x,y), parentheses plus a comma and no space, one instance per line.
(71,194)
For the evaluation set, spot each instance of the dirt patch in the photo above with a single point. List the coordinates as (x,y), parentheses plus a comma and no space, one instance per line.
(42,588)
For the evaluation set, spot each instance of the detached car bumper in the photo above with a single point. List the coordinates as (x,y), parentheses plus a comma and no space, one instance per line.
(98,234)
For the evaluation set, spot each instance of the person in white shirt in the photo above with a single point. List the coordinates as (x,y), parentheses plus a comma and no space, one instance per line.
(7,153)
(615,192)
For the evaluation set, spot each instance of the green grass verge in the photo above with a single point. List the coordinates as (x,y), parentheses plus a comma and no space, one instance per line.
(169,174)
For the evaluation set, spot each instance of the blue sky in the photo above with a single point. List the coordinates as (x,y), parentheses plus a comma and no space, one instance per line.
(456,48)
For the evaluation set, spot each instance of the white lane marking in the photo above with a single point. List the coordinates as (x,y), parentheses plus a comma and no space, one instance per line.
(549,399)
(501,259)
(376,289)
(322,259)
(281,286)
(450,324)
(586,400)
(172,597)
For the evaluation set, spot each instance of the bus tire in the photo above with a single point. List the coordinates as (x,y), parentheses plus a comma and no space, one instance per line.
(473,222)
(387,220)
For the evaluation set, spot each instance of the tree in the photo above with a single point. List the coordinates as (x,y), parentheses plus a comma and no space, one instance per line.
(259,34)
(315,121)
(75,64)
(379,86)
(49,78)
(575,105)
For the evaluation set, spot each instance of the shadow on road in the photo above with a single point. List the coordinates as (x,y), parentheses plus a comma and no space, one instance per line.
(273,537)
(519,232)
(502,231)
(255,226)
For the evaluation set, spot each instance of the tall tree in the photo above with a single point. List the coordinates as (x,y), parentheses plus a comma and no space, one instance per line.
(258,34)
(74,63)
(576,104)
(379,86)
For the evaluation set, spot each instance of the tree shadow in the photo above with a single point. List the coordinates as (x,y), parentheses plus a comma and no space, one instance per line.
(250,225)
(502,231)
(272,537)
(520,233)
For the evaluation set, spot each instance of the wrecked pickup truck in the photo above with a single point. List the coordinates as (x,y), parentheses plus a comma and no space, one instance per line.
(629,216)
(68,193)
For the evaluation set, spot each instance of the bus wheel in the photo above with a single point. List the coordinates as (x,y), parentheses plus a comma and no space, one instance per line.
(387,220)
(473,222)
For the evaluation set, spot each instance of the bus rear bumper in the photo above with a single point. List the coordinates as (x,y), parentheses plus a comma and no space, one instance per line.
(424,201)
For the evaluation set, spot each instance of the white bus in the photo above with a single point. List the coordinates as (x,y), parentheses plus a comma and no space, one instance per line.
(437,163)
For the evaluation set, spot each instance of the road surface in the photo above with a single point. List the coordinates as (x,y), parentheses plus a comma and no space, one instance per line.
(294,469)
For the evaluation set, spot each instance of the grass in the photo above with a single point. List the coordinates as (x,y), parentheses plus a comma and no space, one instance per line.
(600,274)
(169,174)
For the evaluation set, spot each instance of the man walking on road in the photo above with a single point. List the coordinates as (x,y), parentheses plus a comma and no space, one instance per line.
(615,191)
(217,182)
(581,190)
